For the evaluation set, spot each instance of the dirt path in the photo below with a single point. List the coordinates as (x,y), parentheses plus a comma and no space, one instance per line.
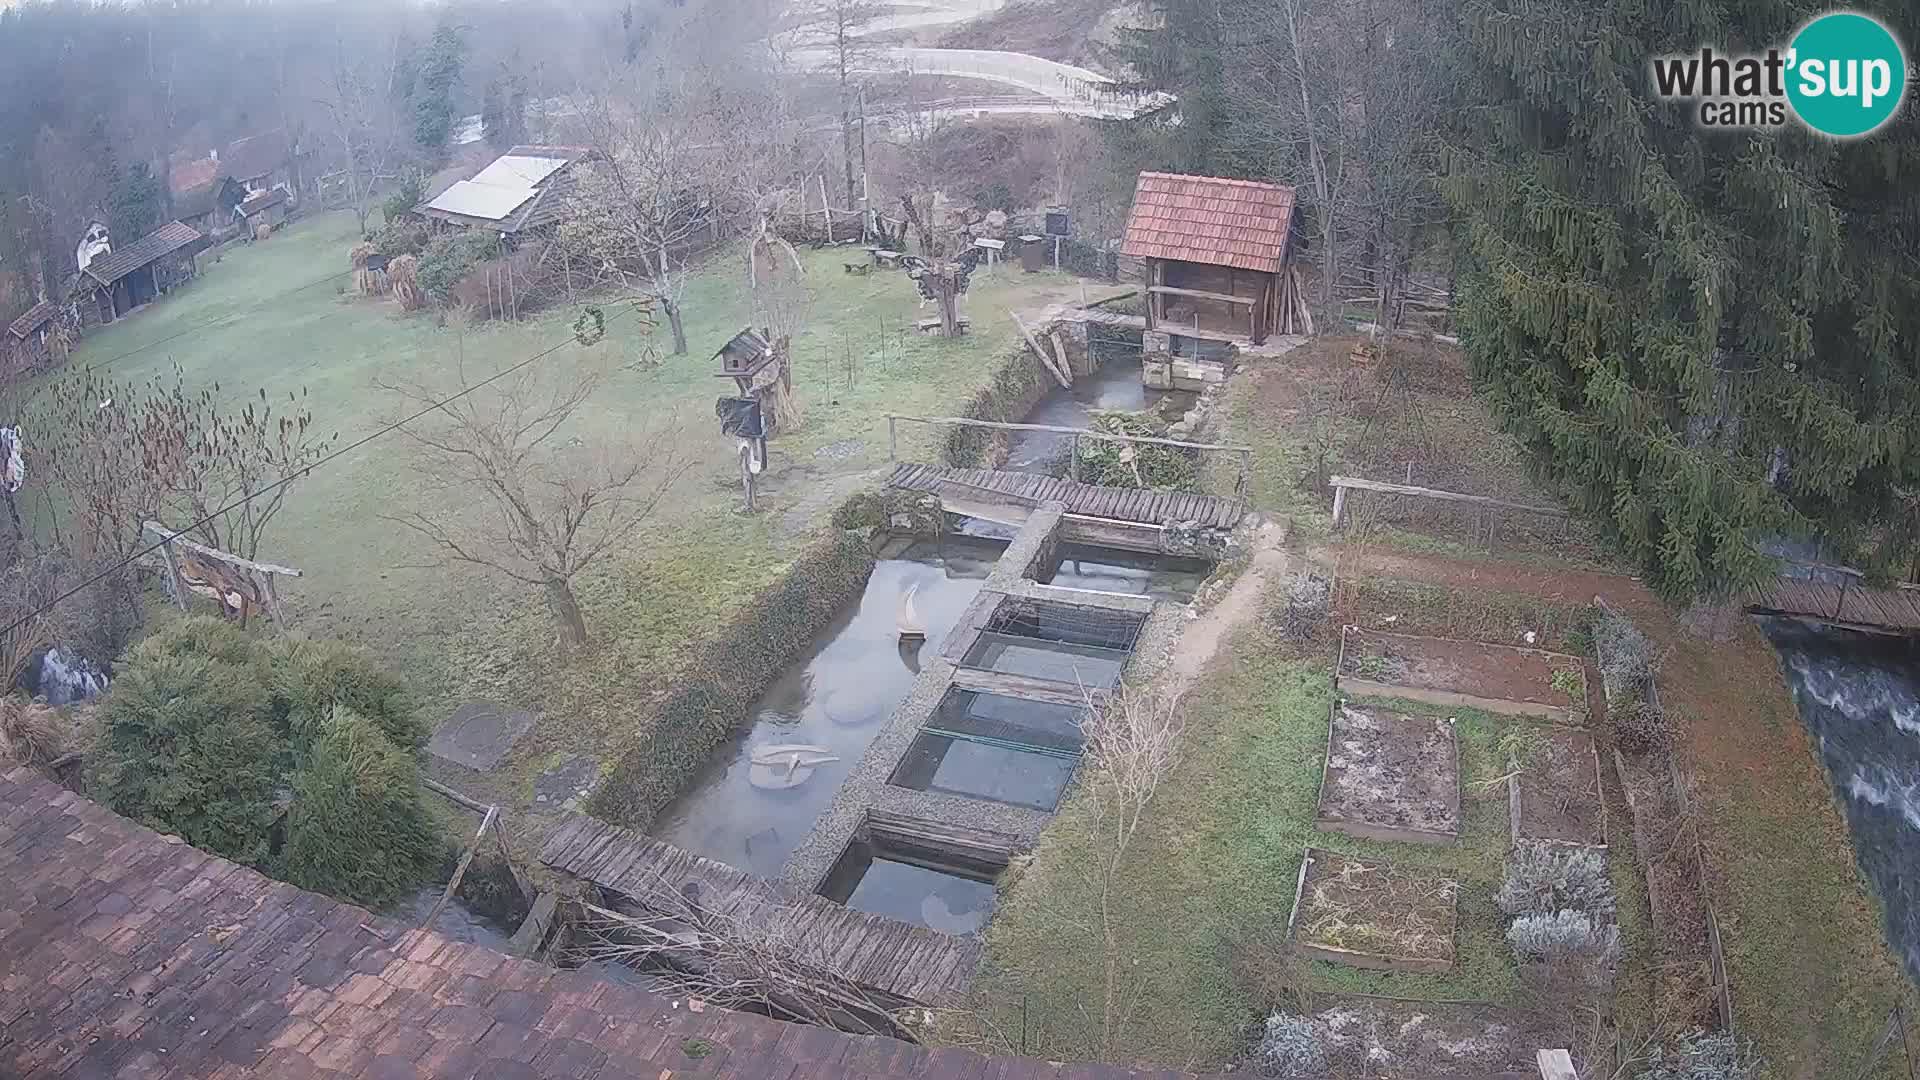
(1202,638)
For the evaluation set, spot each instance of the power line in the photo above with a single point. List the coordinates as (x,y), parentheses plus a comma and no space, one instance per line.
(297,474)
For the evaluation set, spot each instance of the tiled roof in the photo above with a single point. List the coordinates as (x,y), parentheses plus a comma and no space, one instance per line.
(1206,219)
(36,316)
(162,241)
(192,174)
(127,954)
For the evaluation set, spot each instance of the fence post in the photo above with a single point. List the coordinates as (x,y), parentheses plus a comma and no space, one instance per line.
(173,573)
(892,446)
(1339,504)
(1073,460)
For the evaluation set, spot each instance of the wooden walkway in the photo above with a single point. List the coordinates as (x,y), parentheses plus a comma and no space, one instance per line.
(1859,607)
(1138,505)
(907,962)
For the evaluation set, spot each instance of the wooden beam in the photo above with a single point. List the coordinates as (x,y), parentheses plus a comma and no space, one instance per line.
(1019,686)
(167,534)
(962,421)
(460,871)
(1339,483)
(1064,379)
(1202,294)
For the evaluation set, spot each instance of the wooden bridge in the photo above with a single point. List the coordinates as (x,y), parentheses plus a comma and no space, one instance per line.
(968,490)
(908,963)
(1849,604)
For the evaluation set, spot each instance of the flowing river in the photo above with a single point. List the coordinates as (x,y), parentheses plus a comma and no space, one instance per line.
(1859,695)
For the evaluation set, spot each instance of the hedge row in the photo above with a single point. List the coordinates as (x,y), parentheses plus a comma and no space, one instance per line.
(1016,387)
(728,676)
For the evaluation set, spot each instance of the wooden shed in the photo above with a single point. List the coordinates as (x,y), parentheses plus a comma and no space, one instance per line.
(138,273)
(31,340)
(1218,254)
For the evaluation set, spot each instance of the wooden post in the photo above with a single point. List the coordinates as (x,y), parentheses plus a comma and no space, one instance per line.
(1244,487)
(273,599)
(173,573)
(460,871)
(1033,343)
(893,445)
(824,208)
(1073,460)
(1339,504)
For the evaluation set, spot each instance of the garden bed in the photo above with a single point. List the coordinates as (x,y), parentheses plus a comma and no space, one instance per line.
(1367,913)
(1445,671)
(1390,776)
(1555,792)
(1369,1038)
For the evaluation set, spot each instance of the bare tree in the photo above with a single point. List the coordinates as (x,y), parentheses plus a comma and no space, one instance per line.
(363,121)
(837,28)
(544,515)
(653,194)
(1132,745)
(1344,95)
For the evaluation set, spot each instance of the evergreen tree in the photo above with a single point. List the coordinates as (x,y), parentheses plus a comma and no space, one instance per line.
(358,828)
(1706,337)
(136,204)
(433,98)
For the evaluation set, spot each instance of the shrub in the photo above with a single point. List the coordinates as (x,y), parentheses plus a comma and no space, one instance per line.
(397,238)
(1302,610)
(311,677)
(1557,936)
(30,732)
(1544,878)
(1626,657)
(185,743)
(1290,1050)
(1016,387)
(1701,1056)
(1641,727)
(451,256)
(712,700)
(358,828)
(400,204)
(1151,466)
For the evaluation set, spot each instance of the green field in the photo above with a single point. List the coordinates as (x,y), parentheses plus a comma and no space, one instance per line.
(461,632)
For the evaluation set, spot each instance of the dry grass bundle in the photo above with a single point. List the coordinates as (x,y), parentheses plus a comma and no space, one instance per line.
(403,274)
(31,732)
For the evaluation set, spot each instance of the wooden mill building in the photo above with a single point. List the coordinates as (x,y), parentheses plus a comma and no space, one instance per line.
(1218,255)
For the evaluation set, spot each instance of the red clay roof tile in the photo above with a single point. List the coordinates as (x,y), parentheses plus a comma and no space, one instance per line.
(1207,219)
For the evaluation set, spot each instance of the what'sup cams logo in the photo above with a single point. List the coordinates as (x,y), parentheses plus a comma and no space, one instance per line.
(1844,74)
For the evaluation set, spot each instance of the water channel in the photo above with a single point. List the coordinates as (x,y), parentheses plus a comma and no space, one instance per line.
(1114,386)
(1859,696)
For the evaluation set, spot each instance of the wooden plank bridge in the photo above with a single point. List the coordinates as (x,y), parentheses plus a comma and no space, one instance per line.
(1850,605)
(910,963)
(1137,505)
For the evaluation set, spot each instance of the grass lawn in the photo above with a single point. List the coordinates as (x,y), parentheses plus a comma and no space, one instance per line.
(459,632)
(1209,884)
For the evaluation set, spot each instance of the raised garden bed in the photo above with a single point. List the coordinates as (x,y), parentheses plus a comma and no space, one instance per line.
(1555,793)
(1368,913)
(1445,671)
(1390,776)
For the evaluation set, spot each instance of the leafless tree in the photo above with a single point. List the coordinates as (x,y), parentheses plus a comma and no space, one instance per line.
(1344,95)
(544,515)
(750,958)
(654,194)
(1132,746)
(837,27)
(363,122)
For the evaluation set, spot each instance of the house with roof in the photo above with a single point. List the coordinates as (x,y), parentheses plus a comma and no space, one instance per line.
(1218,256)
(33,341)
(519,192)
(135,274)
(208,191)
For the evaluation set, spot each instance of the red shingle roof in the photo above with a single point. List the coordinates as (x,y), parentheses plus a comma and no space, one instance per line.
(1206,219)
(127,954)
